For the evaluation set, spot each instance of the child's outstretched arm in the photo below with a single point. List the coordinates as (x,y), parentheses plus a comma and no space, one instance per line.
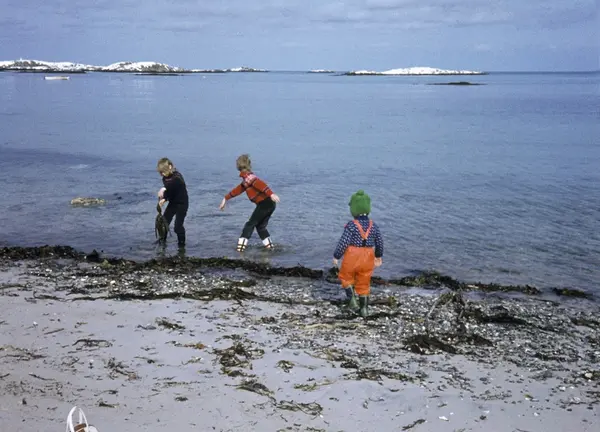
(343,244)
(232,194)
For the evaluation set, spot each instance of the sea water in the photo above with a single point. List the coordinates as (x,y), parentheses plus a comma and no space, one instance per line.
(496,183)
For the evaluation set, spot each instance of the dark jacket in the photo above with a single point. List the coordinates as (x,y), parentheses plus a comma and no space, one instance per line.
(176,190)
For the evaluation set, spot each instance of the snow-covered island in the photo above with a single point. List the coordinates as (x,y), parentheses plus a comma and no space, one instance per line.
(141,67)
(69,67)
(417,71)
(145,67)
(238,69)
(321,71)
(208,71)
(245,69)
(44,66)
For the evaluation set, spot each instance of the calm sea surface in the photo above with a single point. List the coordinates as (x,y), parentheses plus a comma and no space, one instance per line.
(497,183)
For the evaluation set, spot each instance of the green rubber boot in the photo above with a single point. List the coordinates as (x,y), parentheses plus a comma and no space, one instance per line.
(363,302)
(351,298)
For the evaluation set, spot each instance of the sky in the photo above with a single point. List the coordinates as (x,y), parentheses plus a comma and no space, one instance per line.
(489,35)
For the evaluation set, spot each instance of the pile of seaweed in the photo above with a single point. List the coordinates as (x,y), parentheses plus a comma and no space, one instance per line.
(424,279)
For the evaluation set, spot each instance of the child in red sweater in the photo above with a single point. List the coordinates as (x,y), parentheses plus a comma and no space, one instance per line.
(260,194)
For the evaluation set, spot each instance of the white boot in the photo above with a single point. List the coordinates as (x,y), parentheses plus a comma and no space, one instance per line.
(242,243)
(268,243)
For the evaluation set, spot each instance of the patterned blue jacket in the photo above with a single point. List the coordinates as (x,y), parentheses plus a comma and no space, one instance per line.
(351,237)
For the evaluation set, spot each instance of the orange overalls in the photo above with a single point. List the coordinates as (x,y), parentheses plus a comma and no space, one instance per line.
(358,264)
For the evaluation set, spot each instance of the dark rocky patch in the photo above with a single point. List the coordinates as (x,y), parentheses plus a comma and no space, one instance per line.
(426,344)
(46,72)
(586,322)
(501,316)
(457,83)
(161,73)
(570,292)
(28,253)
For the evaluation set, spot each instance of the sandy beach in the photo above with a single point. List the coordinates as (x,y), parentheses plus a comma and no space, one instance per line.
(182,345)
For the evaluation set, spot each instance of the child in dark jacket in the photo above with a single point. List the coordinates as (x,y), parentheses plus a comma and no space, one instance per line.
(260,194)
(175,192)
(361,246)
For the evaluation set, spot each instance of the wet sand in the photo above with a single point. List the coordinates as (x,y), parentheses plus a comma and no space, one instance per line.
(163,347)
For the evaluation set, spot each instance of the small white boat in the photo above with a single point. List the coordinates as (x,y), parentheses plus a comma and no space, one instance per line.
(52,78)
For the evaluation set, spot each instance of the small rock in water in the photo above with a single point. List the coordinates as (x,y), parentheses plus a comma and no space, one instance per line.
(83,201)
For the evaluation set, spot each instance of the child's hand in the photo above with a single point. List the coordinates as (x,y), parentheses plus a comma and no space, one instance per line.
(335,262)
(275,198)
(161,192)
(222,206)
(378,262)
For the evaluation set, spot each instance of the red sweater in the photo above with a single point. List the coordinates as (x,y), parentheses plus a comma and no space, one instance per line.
(256,189)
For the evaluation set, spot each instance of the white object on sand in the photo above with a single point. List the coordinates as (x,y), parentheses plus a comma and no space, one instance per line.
(82,425)
(53,78)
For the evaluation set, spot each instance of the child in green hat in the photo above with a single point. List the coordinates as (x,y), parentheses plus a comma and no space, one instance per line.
(361,246)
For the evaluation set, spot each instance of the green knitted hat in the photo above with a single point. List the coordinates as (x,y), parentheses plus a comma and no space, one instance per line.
(360,203)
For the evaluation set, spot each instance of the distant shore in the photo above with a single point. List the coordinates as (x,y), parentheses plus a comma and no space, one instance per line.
(130,341)
(156,68)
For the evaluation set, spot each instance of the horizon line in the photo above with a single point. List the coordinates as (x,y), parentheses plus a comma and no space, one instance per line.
(319,69)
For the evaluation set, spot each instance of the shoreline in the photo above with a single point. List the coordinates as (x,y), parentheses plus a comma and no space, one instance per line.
(251,347)
(425,280)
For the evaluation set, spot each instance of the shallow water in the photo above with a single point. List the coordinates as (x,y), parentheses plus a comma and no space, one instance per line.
(498,183)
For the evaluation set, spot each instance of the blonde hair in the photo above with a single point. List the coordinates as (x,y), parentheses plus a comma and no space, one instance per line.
(243,163)
(165,166)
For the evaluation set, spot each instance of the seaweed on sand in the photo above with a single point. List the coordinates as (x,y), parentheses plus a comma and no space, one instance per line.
(377,374)
(192,263)
(21,354)
(163,322)
(285,365)
(453,297)
(117,368)
(93,343)
(313,385)
(255,387)
(237,355)
(413,424)
(207,295)
(312,408)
